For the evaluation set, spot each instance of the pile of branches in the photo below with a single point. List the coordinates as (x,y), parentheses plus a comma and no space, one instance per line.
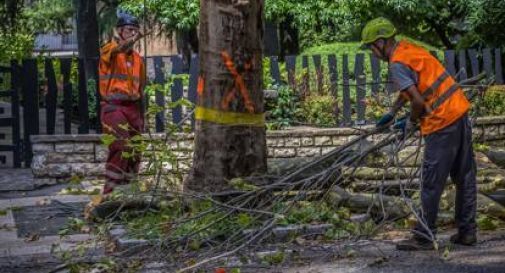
(200,229)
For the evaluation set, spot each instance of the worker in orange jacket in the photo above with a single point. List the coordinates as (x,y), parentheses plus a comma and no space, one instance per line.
(439,105)
(122,79)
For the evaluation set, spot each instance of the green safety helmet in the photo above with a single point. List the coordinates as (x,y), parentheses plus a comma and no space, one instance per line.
(376,29)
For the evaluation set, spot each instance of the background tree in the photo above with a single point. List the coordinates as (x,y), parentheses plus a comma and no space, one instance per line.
(230,133)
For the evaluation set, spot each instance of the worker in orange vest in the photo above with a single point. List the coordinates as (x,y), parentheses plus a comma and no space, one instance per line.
(439,105)
(122,79)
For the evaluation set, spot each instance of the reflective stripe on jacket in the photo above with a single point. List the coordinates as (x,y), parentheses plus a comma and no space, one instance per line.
(434,83)
(120,75)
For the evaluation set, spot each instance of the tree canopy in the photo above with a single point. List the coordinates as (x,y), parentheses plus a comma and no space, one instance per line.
(444,23)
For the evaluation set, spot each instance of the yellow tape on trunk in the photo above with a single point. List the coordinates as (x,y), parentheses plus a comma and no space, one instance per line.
(229,118)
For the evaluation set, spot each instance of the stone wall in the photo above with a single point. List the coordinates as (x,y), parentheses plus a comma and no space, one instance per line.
(59,157)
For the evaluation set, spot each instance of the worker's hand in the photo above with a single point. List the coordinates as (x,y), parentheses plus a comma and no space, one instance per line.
(404,125)
(385,119)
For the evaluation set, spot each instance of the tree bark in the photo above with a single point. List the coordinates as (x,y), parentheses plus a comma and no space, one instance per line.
(230,137)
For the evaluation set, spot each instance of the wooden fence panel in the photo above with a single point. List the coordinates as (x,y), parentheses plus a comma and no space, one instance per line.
(498,66)
(332,69)
(51,97)
(360,76)
(306,77)
(30,106)
(376,74)
(462,68)
(291,68)
(319,73)
(347,92)
(65,67)
(488,62)
(274,70)
(83,100)
(159,78)
(16,126)
(474,62)
(450,62)
(177,89)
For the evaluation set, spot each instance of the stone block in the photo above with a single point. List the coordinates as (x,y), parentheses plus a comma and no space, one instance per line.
(64,147)
(42,148)
(69,147)
(185,144)
(275,142)
(84,148)
(58,170)
(183,154)
(184,165)
(308,152)
(307,141)
(340,140)
(326,150)
(284,152)
(87,169)
(270,152)
(101,153)
(69,158)
(323,141)
(39,166)
(292,142)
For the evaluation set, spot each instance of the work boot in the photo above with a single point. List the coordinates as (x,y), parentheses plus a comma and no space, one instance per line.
(467,239)
(415,244)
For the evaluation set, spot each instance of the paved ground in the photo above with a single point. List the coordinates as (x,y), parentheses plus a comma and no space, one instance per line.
(30,219)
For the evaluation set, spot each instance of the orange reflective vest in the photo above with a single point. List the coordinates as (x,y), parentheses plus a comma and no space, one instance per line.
(121,75)
(441,92)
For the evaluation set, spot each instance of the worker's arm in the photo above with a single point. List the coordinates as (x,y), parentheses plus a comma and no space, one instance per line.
(399,103)
(416,103)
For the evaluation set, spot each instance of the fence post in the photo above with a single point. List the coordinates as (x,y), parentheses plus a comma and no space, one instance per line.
(159,78)
(474,61)
(488,62)
(51,97)
(376,74)
(332,68)
(347,92)
(498,66)
(319,73)
(31,106)
(16,134)
(194,73)
(274,70)
(291,68)
(66,66)
(306,77)
(462,74)
(449,61)
(83,100)
(177,89)
(359,74)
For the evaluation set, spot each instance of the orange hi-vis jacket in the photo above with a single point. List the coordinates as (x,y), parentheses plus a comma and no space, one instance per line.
(441,92)
(121,76)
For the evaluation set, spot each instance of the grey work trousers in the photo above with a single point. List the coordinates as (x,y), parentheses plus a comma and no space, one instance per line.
(449,152)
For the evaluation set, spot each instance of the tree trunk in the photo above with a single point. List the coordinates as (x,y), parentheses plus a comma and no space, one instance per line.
(230,133)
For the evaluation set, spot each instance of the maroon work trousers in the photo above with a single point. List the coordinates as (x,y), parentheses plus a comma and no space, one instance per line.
(123,120)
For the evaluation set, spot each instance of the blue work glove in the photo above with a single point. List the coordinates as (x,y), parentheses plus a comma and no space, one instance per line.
(401,124)
(385,119)
(404,125)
